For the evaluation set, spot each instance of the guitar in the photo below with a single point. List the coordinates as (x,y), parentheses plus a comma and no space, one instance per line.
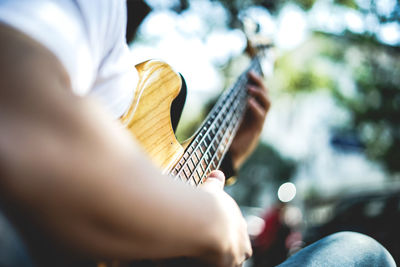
(149,121)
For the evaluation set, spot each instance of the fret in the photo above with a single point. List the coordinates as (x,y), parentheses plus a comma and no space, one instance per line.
(213,130)
(198,154)
(206,157)
(203,166)
(203,147)
(196,177)
(198,173)
(212,149)
(186,172)
(194,159)
(190,165)
(210,156)
(213,165)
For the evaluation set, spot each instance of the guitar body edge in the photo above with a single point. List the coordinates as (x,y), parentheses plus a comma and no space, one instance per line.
(148,119)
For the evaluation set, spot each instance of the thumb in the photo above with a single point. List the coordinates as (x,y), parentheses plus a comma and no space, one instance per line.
(215,181)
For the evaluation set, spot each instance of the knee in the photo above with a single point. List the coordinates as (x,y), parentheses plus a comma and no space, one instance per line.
(353,239)
(12,248)
(366,248)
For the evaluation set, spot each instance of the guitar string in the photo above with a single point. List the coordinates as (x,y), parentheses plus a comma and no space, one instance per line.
(211,159)
(213,141)
(203,136)
(214,156)
(229,97)
(199,143)
(232,119)
(229,134)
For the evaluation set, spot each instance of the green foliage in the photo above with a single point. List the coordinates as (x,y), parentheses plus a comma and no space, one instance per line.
(373,69)
(308,68)
(376,107)
(305,4)
(347,3)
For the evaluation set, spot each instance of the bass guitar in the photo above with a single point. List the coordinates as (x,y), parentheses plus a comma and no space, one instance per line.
(149,120)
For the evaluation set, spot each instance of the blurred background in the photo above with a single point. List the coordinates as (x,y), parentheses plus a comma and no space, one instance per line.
(329,157)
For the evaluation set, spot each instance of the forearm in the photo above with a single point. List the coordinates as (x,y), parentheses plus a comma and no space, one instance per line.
(79,176)
(95,192)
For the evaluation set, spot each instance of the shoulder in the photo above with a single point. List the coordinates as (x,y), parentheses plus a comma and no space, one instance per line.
(27,69)
(80,33)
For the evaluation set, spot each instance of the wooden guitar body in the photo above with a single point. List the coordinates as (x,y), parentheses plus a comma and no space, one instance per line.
(149,119)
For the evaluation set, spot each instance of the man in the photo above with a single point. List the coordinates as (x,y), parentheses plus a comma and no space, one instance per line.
(67,167)
(71,170)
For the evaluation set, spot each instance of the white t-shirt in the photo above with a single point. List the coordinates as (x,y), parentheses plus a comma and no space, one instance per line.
(88,37)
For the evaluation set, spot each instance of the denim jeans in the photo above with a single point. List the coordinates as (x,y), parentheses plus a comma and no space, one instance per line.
(13,252)
(342,249)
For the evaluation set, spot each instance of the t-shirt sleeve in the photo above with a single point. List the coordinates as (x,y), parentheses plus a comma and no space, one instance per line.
(88,37)
(117,77)
(58,27)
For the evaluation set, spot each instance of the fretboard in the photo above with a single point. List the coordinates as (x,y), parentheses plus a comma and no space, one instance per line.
(211,142)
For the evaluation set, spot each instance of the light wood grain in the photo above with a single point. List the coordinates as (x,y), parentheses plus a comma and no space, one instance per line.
(148,118)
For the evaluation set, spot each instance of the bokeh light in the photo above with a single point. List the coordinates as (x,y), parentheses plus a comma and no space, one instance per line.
(286,192)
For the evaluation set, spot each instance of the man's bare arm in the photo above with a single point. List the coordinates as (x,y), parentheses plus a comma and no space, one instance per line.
(79,175)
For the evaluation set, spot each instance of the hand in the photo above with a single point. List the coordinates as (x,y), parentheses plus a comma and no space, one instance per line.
(249,131)
(236,247)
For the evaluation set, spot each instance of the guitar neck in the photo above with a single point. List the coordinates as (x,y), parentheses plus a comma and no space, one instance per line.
(211,142)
